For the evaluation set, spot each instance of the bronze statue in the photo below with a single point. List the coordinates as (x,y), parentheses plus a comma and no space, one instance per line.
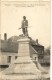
(24,26)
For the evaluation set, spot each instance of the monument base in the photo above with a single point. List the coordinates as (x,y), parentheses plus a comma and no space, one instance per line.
(23,67)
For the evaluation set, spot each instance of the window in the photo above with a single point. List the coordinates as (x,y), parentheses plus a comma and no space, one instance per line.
(35,58)
(15,57)
(9,59)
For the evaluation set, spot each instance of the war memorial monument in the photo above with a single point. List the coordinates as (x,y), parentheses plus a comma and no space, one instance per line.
(23,68)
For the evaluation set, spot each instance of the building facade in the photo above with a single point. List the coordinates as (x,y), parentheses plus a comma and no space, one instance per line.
(9,50)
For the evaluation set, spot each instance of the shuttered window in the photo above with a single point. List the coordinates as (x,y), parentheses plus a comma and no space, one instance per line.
(9,59)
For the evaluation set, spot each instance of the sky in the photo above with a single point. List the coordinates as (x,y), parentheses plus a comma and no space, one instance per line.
(38,17)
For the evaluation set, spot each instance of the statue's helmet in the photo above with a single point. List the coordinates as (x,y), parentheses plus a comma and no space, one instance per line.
(24,17)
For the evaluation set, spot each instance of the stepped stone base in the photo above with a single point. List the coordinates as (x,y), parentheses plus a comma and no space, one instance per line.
(23,67)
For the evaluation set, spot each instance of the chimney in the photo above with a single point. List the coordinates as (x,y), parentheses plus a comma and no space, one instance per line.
(5,36)
(36,41)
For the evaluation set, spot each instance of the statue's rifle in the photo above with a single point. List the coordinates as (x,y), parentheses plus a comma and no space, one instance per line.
(21,27)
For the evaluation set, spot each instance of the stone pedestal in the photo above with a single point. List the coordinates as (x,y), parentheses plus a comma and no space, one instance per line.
(23,67)
(23,49)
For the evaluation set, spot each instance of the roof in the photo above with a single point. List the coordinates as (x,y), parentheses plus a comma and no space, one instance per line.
(7,46)
(11,44)
(15,38)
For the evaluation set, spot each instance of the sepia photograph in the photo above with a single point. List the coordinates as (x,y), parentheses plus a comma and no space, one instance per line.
(25,39)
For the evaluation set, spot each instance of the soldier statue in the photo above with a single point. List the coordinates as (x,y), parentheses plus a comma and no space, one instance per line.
(24,26)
